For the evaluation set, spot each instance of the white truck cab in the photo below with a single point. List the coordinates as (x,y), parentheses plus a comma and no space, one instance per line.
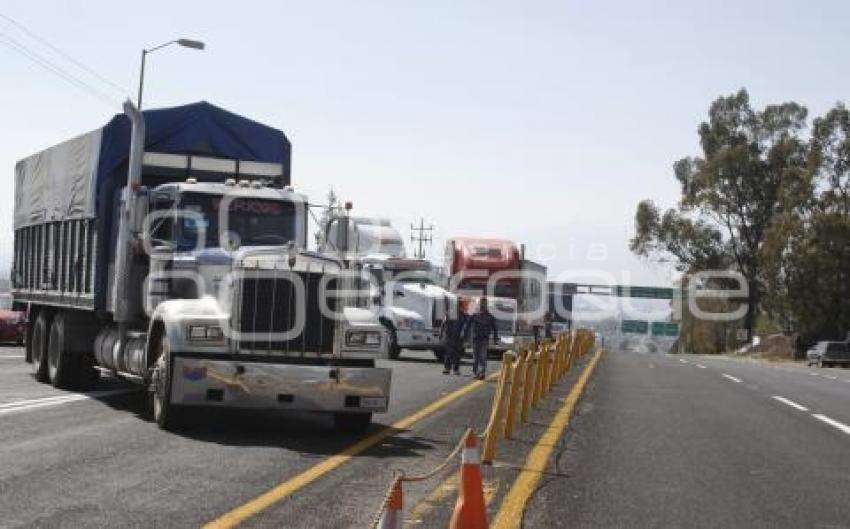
(404,292)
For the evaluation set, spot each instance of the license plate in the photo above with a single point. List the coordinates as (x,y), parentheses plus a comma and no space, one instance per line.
(373,402)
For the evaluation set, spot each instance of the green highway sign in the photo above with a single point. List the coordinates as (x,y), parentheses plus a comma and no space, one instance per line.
(643,292)
(635,327)
(665,328)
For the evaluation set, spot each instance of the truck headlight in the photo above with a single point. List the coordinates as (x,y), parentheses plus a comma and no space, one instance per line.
(204,332)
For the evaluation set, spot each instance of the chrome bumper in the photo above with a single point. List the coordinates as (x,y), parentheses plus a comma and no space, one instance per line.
(418,339)
(263,385)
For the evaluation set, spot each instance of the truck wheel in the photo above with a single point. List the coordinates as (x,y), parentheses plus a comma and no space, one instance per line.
(38,347)
(162,411)
(352,422)
(60,368)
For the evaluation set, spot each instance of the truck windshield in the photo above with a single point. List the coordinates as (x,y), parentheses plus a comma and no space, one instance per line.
(250,221)
(505,288)
(412,276)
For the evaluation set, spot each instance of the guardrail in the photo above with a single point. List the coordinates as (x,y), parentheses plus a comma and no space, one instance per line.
(526,378)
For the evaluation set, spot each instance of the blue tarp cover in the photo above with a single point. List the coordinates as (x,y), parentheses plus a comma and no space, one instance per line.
(197,128)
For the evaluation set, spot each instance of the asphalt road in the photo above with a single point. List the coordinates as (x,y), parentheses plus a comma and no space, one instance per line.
(670,441)
(658,441)
(70,460)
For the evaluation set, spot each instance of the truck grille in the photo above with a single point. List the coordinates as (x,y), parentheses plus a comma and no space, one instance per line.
(269,305)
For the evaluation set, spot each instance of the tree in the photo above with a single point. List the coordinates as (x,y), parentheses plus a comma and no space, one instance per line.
(808,250)
(729,194)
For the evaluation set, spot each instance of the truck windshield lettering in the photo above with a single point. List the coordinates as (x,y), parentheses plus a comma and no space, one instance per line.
(249,222)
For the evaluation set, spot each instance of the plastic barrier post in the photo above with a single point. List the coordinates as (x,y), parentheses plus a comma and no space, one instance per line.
(559,358)
(494,428)
(542,362)
(528,384)
(547,371)
(516,381)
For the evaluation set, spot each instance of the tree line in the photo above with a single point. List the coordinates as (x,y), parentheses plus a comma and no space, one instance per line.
(768,197)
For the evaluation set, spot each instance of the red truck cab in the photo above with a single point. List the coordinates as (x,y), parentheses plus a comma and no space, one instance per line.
(471,262)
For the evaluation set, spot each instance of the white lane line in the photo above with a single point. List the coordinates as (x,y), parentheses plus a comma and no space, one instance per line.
(700,366)
(11,357)
(15,404)
(733,379)
(791,403)
(832,422)
(830,377)
(24,405)
(683,361)
(813,374)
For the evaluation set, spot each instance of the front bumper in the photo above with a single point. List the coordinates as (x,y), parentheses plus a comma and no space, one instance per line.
(418,339)
(253,384)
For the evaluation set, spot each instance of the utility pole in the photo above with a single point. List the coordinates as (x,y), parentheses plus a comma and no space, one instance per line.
(420,237)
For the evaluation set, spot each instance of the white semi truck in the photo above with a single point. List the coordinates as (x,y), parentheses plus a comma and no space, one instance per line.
(169,249)
(404,293)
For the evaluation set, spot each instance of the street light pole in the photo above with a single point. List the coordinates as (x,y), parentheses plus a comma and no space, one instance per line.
(186,43)
(141,80)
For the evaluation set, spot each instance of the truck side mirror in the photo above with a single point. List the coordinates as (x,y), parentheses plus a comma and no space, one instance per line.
(342,234)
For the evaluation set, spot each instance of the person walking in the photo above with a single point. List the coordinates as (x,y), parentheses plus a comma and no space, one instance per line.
(481,326)
(453,327)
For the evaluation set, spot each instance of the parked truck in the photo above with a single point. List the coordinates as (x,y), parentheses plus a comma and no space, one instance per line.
(404,293)
(479,267)
(169,248)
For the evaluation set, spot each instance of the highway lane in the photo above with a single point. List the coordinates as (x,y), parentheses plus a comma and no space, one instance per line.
(660,442)
(98,463)
(820,391)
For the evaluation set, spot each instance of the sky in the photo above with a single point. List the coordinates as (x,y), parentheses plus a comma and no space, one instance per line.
(541,122)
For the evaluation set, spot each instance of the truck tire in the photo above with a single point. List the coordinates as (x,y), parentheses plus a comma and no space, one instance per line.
(352,422)
(38,349)
(159,396)
(60,361)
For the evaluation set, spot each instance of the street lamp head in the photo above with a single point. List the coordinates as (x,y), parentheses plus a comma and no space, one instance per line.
(189,43)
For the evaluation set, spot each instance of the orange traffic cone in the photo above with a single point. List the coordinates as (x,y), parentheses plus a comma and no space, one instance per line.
(392,517)
(470,510)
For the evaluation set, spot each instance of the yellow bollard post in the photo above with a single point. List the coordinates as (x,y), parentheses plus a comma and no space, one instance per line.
(518,375)
(528,383)
(494,427)
(559,365)
(542,361)
(563,357)
(553,379)
(547,379)
(566,365)
(553,370)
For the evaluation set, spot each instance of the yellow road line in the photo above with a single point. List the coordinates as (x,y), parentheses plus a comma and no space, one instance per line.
(510,514)
(281,491)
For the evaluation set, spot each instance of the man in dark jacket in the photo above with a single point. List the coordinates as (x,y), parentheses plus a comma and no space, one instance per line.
(453,339)
(481,325)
